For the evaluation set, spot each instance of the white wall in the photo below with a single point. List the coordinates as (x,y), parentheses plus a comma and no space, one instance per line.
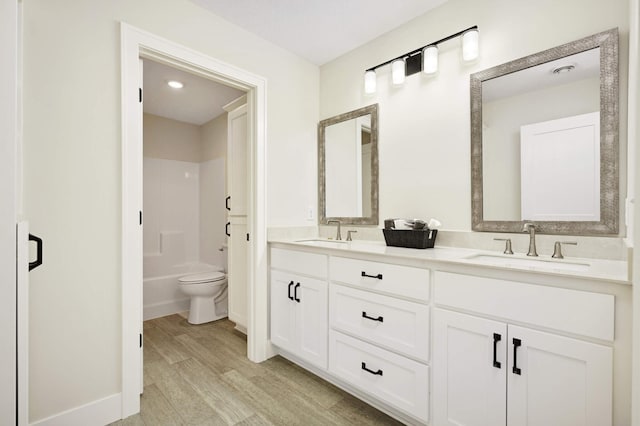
(73,171)
(170,139)
(424,124)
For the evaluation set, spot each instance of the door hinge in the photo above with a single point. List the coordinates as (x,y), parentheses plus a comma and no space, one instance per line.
(247,237)
(140,339)
(140,94)
(140,217)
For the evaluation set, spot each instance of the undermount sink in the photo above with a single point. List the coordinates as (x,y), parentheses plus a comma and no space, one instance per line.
(533,263)
(323,243)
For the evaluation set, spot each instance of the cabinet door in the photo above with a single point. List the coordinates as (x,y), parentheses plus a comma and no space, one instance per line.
(237,271)
(237,160)
(283,311)
(561,381)
(311,317)
(468,388)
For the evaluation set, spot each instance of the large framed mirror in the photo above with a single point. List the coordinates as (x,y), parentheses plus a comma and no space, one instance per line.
(348,167)
(544,141)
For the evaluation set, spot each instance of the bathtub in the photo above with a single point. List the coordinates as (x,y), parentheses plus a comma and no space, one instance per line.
(161,294)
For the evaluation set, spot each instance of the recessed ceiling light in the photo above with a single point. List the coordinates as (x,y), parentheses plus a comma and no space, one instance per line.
(175,84)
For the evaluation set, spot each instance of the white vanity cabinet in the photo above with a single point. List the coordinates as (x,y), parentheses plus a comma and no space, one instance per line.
(379,337)
(488,372)
(299,305)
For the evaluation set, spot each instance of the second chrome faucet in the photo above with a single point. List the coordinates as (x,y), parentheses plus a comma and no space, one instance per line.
(531,229)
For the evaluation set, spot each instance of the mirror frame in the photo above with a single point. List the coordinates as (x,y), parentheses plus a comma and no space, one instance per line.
(607,41)
(322,202)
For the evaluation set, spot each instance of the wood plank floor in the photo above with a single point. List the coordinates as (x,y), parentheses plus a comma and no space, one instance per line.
(199,375)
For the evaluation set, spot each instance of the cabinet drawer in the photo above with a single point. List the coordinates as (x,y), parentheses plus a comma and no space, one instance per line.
(299,262)
(395,280)
(394,379)
(572,311)
(394,324)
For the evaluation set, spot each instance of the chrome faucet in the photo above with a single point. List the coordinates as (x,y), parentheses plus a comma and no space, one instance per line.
(531,229)
(338,236)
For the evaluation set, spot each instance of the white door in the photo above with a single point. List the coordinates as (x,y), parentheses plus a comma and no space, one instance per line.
(8,138)
(237,160)
(237,268)
(237,205)
(558,380)
(469,370)
(560,169)
(283,311)
(311,296)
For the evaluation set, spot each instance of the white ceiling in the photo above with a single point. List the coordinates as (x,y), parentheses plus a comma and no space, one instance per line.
(319,30)
(199,101)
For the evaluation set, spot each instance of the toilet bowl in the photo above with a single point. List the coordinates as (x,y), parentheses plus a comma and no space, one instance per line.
(208,292)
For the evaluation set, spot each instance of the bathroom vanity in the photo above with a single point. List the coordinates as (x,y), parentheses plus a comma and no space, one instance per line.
(457,336)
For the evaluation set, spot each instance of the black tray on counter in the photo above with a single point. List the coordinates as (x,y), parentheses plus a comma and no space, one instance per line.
(410,238)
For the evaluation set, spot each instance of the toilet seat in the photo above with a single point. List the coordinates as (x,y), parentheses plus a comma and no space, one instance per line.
(204,277)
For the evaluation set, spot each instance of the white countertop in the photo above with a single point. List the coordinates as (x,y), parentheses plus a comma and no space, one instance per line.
(610,270)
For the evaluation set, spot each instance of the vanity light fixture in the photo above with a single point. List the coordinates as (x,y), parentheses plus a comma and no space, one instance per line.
(174,84)
(424,59)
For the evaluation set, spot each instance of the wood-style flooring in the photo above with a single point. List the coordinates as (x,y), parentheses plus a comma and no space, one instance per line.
(199,375)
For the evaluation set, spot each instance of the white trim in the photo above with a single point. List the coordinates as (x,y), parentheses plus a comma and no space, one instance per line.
(136,43)
(8,138)
(633,193)
(100,412)
(22,290)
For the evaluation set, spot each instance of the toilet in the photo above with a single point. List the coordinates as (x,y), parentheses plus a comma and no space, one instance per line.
(208,292)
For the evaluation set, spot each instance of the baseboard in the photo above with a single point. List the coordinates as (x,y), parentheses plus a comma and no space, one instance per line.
(241,328)
(98,413)
(163,309)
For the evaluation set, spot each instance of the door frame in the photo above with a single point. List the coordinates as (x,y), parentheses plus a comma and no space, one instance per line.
(9,66)
(136,44)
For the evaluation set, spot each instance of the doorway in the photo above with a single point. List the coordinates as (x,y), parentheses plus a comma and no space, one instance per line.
(138,44)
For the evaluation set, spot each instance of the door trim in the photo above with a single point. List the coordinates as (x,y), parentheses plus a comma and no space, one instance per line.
(135,44)
(9,27)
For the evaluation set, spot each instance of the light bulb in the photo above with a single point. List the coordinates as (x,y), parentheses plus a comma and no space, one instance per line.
(470,49)
(397,71)
(175,84)
(430,60)
(370,82)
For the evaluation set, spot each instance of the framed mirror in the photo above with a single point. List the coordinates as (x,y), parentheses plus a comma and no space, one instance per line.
(544,141)
(348,167)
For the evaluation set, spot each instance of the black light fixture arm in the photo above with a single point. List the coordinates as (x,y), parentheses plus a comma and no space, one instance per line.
(418,50)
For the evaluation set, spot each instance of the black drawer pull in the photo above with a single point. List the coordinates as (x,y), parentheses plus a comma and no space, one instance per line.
(364,315)
(295,293)
(289,291)
(226,202)
(379,276)
(496,339)
(375,373)
(516,344)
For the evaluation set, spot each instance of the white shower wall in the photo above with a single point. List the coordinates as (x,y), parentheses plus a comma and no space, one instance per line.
(171,214)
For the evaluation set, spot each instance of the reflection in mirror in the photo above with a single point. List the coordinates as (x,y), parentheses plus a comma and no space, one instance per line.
(541,125)
(348,167)
(540,152)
